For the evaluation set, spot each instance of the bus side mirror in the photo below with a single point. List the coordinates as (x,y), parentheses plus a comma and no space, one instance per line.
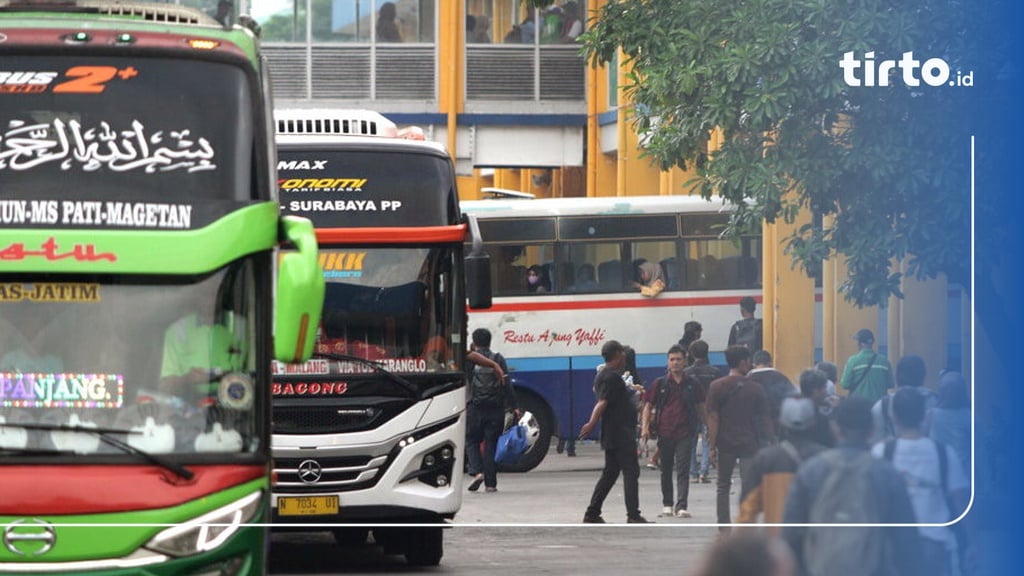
(478,280)
(299,298)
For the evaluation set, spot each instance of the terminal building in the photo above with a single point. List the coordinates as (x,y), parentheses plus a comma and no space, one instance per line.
(506,89)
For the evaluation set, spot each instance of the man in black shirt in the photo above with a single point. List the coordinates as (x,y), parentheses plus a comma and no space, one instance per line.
(618,437)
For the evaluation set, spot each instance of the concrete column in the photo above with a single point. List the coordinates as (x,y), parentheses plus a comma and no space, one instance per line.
(918,323)
(841,319)
(788,306)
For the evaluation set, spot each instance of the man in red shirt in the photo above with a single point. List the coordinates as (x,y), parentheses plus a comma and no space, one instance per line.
(677,402)
(738,424)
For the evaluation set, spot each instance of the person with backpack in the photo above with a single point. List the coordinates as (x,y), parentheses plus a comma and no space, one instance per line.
(692,331)
(703,372)
(617,416)
(847,485)
(738,425)
(678,404)
(910,374)
(814,387)
(772,470)
(867,373)
(776,385)
(489,398)
(936,483)
(747,331)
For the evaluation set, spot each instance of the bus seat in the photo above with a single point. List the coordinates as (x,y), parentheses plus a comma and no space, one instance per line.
(609,274)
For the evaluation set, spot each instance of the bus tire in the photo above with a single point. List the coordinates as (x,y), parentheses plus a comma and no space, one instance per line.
(424,546)
(529,402)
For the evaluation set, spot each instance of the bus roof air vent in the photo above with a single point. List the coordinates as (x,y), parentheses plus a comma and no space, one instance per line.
(334,123)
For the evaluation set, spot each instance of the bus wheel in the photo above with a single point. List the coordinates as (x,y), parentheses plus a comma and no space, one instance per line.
(346,537)
(424,547)
(535,455)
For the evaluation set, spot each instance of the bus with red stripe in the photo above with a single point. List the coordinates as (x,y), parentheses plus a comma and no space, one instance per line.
(583,252)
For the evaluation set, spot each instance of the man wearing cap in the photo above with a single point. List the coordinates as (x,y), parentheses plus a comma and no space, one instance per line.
(867,373)
(772,470)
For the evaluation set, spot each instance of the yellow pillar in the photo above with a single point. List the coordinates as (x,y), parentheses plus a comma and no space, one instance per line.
(918,324)
(593,95)
(788,305)
(451,41)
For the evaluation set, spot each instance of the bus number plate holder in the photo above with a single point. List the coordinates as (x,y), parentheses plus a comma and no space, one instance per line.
(307,505)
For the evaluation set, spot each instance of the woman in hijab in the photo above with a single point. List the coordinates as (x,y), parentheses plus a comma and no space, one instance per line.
(649,278)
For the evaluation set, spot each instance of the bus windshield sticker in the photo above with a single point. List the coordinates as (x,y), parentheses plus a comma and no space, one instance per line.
(321,184)
(342,264)
(61,390)
(308,388)
(81,80)
(92,213)
(50,292)
(50,250)
(24,146)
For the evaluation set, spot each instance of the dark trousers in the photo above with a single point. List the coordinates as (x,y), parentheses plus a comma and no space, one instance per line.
(483,424)
(619,459)
(726,465)
(675,456)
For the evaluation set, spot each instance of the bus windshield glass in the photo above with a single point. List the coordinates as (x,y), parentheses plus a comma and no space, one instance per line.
(171,362)
(116,128)
(392,305)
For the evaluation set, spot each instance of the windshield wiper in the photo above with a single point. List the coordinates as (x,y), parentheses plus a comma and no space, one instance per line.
(105,436)
(375,366)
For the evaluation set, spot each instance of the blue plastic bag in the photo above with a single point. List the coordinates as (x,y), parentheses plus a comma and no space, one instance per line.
(511,445)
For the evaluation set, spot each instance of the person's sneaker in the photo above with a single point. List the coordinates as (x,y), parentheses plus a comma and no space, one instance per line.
(705,480)
(683,513)
(475,484)
(491,489)
(666,511)
(694,480)
(588,519)
(638,520)
(651,466)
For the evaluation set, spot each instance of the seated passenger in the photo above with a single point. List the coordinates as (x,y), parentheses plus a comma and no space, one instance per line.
(537,279)
(648,278)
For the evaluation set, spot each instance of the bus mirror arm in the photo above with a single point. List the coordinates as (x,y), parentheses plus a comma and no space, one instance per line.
(474,233)
(478,269)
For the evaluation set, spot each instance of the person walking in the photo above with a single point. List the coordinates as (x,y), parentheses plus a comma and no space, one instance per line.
(678,402)
(703,372)
(490,397)
(846,485)
(738,425)
(772,470)
(748,331)
(867,373)
(618,417)
(777,386)
(910,374)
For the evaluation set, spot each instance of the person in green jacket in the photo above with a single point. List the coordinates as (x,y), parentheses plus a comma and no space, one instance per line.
(867,373)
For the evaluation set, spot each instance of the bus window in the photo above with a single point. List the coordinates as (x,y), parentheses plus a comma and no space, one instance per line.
(597,267)
(662,253)
(509,266)
(721,264)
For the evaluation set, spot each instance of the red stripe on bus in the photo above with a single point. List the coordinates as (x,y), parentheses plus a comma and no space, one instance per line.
(64,490)
(542,304)
(454,233)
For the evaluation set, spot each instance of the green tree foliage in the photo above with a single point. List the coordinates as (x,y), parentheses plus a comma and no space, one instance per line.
(889,163)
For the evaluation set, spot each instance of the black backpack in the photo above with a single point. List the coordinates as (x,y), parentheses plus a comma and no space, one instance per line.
(486,389)
(748,333)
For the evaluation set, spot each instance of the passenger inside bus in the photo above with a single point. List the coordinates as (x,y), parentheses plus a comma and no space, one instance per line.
(537,279)
(648,278)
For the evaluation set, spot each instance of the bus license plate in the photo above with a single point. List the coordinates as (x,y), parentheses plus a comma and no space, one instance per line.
(307,505)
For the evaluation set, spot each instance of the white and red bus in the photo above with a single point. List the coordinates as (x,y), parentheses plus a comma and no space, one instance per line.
(585,249)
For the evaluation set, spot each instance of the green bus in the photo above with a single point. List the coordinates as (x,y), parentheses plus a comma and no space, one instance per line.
(143,292)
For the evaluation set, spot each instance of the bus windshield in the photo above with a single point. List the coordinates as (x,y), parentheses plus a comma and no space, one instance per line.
(115,128)
(391,305)
(170,364)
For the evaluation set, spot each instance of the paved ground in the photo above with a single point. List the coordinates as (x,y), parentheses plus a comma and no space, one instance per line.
(557,492)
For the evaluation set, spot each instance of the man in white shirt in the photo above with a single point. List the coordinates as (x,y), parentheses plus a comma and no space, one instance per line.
(936,484)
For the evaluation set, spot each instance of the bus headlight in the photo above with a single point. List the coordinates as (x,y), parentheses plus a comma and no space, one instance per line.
(208,531)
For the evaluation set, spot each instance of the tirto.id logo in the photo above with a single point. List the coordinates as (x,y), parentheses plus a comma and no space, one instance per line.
(933,72)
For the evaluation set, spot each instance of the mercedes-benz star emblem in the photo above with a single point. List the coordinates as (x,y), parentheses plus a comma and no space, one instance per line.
(310,471)
(29,537)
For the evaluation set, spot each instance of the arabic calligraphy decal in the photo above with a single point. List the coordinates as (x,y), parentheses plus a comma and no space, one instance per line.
(24,146)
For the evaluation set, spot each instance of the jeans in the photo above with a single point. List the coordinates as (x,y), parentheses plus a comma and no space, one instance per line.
(483,424)
(675,454)
(705,455)
(619,459)
(726,465)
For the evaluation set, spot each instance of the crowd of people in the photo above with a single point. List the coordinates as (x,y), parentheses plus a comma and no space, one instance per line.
(876,446)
